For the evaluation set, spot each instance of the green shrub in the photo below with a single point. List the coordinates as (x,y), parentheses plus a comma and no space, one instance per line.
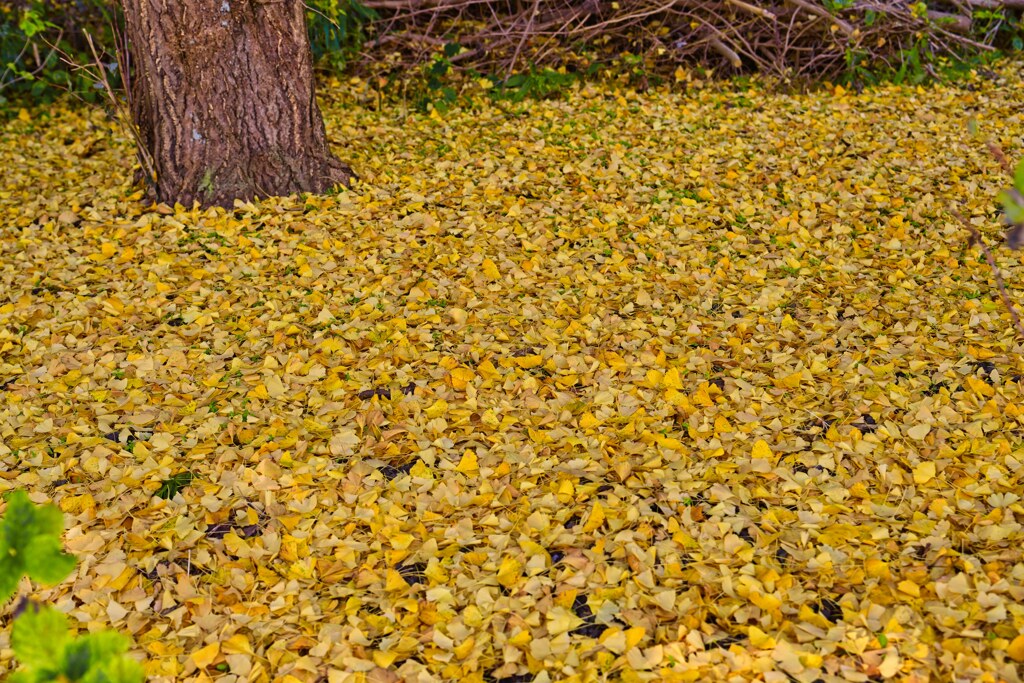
(37,35)
(337,29)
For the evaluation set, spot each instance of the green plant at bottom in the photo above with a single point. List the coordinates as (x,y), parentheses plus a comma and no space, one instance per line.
(1012,200)
(30,545)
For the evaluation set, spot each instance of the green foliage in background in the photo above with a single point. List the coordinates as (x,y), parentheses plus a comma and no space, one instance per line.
(39,37)
(36,36)
(337,29)
(1001,28)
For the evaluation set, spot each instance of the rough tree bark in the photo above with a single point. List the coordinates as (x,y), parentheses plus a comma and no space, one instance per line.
(222,94)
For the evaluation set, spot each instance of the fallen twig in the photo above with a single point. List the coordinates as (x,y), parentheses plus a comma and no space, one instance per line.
(1003,293)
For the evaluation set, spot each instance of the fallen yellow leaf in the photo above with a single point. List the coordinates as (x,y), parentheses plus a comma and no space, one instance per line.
(762,450)
(468,463)
(490,270)
(924,472)
(509,572)
(205,656)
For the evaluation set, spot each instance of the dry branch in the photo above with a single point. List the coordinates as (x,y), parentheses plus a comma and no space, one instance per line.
(726,52)
(954,22)
(997,4)
(820,11)
(747,7)
(785,38)
(997,276)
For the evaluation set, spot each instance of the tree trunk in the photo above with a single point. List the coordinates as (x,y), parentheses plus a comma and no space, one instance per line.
(222,96)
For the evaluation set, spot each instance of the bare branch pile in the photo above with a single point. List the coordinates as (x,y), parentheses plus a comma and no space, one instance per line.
(785,38)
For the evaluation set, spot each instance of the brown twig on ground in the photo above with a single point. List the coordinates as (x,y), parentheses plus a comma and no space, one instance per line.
(997,152)
(120,108)
(1003,293)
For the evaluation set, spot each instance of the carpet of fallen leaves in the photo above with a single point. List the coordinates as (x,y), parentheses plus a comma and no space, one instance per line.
(697,386)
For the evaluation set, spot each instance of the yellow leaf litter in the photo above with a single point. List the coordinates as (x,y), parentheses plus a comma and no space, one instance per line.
(675,386)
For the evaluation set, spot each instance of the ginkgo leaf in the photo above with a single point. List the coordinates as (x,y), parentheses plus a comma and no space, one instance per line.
(528,384)
(468,464)
(275,387)
(460,377)
(760,639)
(561,620)
(762,450)
(595,519)
(509,572)
(490,269)
(1015,649)
(344,442)
(918,431)
(205,656)
(924,472)
(672,380)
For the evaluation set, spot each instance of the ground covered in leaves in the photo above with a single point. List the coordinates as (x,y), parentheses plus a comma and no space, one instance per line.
(686,386)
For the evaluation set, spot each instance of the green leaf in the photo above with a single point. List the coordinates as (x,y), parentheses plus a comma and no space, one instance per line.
(1013,205)
(1018,177)
(10,575)
(169,487)
(106,644)
(107,661)
(30,544)
(32,23)
(39,637)
(121,669)
(77,660)
(46,562)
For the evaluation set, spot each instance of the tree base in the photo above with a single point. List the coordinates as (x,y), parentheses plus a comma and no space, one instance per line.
(223,101)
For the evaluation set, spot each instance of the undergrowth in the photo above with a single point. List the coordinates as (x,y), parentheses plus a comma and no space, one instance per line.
(43,44)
